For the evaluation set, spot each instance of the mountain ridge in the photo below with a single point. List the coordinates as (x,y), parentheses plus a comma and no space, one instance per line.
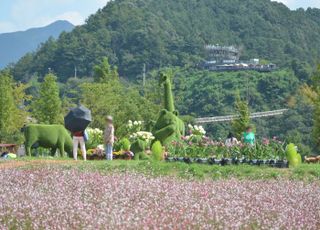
(14,45)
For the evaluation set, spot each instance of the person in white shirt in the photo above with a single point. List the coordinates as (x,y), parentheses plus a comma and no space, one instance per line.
(231,141)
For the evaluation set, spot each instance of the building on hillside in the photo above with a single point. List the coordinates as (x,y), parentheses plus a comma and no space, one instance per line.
(227,58)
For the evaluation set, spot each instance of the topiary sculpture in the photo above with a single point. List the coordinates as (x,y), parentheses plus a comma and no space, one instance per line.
(157,151)
(139,148)
(48,136)
(169,126)
(125,144)
(293,156)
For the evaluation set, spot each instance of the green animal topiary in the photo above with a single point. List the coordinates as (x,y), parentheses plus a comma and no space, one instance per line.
(157,151)
(139,148)
(169,126)
(125,144)
(48,136)
(293,156)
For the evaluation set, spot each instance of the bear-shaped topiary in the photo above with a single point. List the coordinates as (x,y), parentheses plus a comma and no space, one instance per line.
(48,136)
(293,156)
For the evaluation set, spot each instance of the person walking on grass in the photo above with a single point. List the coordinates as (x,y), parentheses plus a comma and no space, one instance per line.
(249,136)
(109,137)
(78,138)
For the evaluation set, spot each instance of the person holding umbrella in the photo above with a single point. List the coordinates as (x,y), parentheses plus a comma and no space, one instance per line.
(78,138)
(109,137)
(76,121)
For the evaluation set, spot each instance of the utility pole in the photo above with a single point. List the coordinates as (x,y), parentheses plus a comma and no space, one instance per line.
(144,75)
(75,72)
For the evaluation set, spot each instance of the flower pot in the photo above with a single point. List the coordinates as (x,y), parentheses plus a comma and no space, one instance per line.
(226,161)
(271,163)
(180,159)
(244,161)
(170,159)
(202,160)
(211,161)
(254,162)
(187,160)
(281,164)
(235,161)
(262,162)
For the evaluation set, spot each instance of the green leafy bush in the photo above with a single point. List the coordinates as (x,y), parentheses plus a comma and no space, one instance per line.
(157,151)
(293,156)
(125,144)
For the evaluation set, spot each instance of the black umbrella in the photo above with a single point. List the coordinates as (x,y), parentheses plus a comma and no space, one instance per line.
(78,119)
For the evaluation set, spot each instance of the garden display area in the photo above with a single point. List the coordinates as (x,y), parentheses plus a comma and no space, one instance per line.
(166,173)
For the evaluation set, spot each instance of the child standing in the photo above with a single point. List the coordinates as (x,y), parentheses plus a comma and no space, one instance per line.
(109,137)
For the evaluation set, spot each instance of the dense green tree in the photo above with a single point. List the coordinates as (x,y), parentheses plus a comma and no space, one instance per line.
(312,93)
(109,96)
(12,110)
(104,72)
(240,123)
(47,106)
(7,106)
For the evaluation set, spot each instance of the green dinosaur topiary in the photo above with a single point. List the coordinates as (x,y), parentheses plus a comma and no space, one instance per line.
(169,126)
(293,156)
(138,148)
(48,136)
(157,151)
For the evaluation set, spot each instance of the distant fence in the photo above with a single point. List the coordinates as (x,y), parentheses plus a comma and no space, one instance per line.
(209,120)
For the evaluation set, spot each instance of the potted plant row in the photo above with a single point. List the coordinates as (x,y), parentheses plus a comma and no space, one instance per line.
(231,161)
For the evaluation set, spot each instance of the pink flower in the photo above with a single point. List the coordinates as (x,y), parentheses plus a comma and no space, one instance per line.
(265,141)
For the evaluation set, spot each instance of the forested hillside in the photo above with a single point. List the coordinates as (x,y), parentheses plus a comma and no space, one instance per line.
(161,33)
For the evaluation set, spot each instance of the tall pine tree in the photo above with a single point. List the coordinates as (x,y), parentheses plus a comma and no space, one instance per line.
(47,107)
(240,124)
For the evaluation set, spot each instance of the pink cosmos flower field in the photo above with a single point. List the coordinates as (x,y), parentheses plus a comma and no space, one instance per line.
(52,198)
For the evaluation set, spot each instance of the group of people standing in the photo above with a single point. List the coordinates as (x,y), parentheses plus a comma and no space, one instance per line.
(79,138)
(248,138)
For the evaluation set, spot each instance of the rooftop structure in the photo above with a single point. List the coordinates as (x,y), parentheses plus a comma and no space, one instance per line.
(227,58)
(222,54)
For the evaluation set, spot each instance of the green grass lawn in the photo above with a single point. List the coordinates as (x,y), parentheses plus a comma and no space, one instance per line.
(180,170)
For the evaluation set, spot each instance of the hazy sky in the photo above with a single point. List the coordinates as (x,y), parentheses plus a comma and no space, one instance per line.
(23,14)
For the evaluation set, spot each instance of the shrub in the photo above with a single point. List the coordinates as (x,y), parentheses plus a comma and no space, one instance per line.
(293,156)
(125,144)
(157,151)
